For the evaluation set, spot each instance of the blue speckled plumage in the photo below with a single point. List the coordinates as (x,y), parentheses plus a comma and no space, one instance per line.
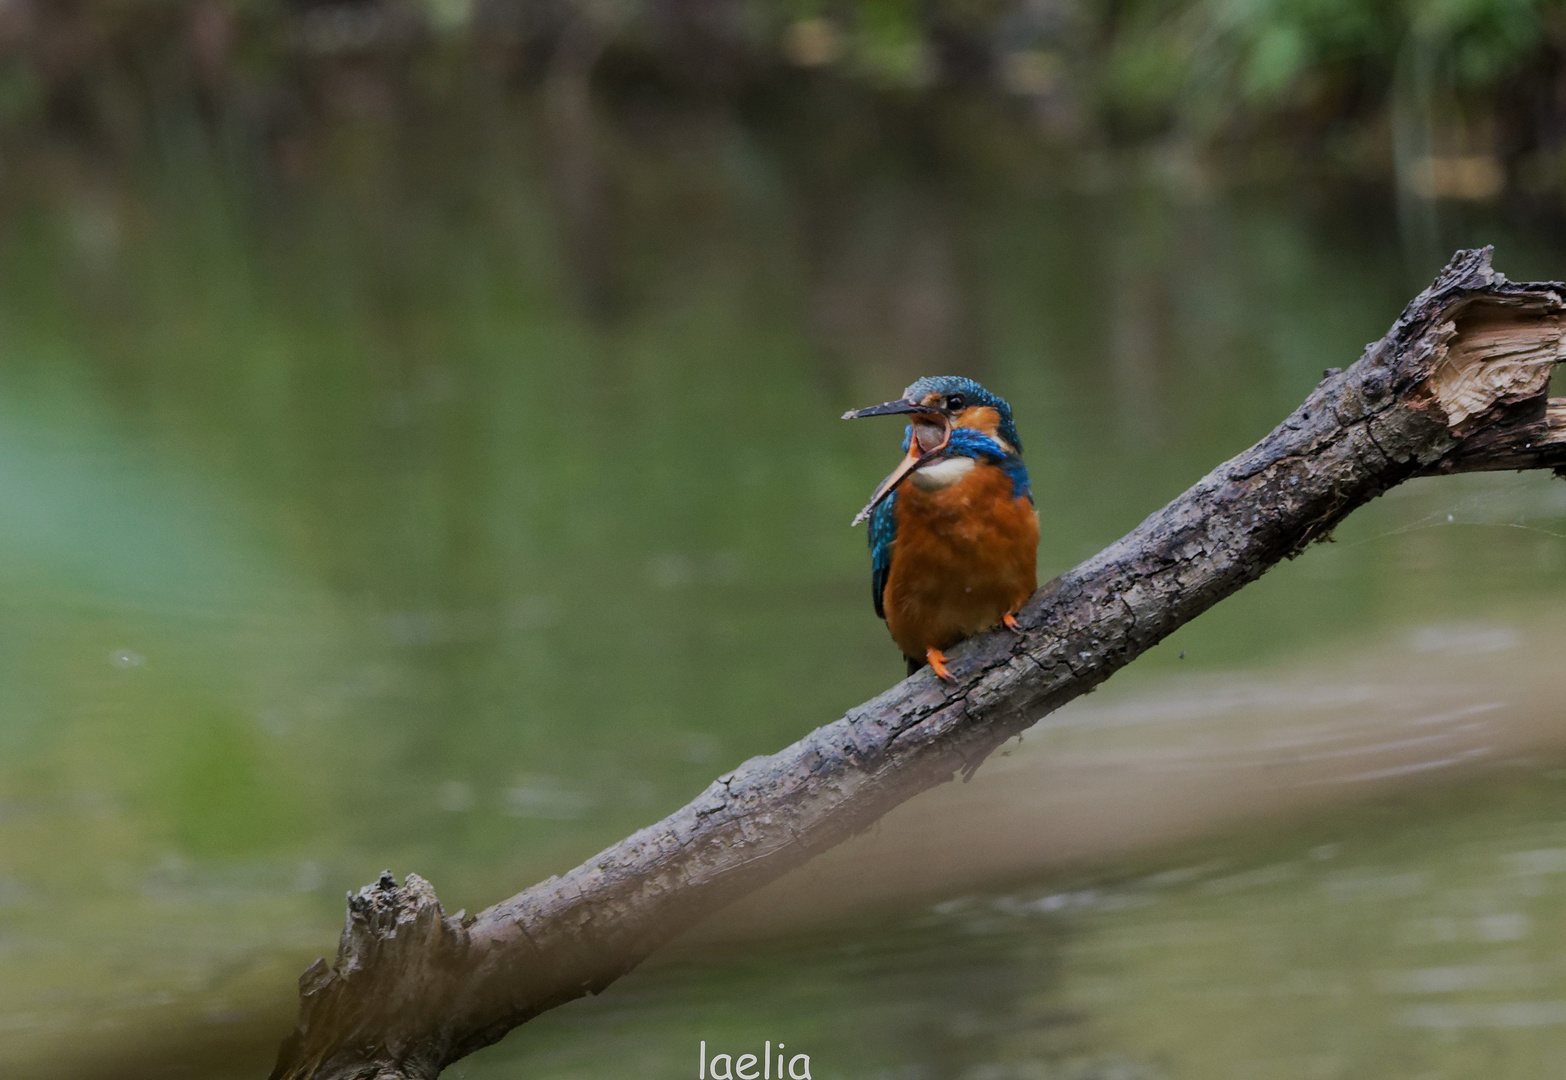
(883,530)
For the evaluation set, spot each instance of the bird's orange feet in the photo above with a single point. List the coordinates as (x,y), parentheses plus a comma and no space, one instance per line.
(1010,622)
(937,661)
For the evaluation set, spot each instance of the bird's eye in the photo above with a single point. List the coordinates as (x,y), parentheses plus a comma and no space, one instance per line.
(955,402)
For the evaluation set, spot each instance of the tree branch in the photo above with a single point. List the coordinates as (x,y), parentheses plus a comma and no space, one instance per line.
(1458,384)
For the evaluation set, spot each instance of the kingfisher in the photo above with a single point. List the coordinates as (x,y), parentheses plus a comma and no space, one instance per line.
(954,534)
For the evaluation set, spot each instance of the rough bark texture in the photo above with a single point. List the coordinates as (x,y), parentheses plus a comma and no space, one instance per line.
(1458,384)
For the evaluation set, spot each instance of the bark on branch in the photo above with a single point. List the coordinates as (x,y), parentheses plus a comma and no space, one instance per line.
(1458,384)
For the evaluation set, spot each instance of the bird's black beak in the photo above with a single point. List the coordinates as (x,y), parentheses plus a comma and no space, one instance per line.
(932,431)
(891,408)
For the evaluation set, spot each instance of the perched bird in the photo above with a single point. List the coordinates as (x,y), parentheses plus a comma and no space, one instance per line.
(953,530)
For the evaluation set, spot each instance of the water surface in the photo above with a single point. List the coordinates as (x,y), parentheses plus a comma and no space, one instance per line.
(459,496)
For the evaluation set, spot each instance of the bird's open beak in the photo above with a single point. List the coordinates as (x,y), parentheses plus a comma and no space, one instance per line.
(891,408)
(931,432)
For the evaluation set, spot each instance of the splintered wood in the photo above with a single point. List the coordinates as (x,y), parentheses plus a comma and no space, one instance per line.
(1496,353)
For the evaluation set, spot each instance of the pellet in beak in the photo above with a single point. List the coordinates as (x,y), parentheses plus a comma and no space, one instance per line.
(931,432)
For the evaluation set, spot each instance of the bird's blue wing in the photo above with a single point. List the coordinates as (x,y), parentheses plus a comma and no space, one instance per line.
(883,530)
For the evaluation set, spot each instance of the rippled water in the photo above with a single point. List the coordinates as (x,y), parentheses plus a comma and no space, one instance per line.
(460,496)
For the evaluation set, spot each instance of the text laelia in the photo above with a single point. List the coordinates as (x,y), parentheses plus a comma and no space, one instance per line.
(753,1066)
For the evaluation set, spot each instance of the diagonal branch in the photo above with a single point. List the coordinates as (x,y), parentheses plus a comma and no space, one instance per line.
(1458,384)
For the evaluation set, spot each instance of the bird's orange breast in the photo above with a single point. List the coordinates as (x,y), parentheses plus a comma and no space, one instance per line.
(964,557)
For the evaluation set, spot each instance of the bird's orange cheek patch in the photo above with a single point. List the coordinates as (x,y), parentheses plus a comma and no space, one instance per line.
(981,418)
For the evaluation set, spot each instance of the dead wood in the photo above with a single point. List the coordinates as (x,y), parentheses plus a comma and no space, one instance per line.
(1458,384)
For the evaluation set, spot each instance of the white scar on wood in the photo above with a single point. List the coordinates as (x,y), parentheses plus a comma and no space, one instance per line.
(941,474)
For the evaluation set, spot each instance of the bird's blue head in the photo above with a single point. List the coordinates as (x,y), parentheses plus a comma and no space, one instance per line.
(969,405)
(945,412)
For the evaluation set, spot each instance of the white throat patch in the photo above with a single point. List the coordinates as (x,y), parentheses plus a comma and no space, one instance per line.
(941,474)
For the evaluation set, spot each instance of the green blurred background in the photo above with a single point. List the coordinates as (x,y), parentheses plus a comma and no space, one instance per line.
(418,449)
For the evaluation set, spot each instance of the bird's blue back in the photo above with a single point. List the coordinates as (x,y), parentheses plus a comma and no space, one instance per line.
(883,530)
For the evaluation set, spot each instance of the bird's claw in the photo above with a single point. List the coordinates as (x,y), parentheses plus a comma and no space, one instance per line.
(1009,621)
(937,661)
